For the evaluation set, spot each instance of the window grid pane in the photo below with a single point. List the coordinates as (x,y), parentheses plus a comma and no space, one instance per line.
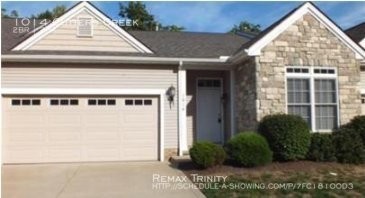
(326,105)
(299,98)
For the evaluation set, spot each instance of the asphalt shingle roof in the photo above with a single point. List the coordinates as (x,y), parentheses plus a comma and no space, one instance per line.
(163,44)
(356,33)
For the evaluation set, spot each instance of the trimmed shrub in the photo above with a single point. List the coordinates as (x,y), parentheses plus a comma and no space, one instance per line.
(220,154)
(358,124)
(249,149)
(321,148)
(207,154)
(287,135)
(349,146)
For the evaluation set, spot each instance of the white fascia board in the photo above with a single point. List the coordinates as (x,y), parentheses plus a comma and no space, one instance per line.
(362,43)
(255,49)
(71,13)
(104,59)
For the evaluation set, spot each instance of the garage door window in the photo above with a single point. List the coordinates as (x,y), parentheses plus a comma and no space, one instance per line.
(147,102)
(25,102)
(64,102)
(138,102)
(101,102)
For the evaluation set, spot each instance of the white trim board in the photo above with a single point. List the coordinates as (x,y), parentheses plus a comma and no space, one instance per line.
(107,59)
(83,6)
(256,48)
(232,84)
(362,43)
(66,91)
(183,145)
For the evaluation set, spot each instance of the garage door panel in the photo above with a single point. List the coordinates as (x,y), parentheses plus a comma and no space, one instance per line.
(69,134)
(101,134)
(101,153)
(102,120)
(26,119)
(23,154)
(138,136)
(64,119)
(137,118)
(18,137)
(82,132)
(135,154)
(68,153)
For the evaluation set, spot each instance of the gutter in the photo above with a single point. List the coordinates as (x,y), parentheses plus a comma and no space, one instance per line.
(107,59)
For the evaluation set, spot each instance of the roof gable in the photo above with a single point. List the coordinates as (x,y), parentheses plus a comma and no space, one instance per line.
(62,34)
(255,46)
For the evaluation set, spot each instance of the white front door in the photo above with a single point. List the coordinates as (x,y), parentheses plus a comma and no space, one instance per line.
(209,114)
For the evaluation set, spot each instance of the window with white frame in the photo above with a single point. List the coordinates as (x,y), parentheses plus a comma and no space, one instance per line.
(312,94)
(84,27)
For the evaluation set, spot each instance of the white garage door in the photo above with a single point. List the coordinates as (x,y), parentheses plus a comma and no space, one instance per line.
(74,129)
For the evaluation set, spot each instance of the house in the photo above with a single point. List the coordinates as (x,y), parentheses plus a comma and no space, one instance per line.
(357,33)
(91,91)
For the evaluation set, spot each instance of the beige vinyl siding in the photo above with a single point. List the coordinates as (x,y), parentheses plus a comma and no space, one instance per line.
(98,76)
(65,38)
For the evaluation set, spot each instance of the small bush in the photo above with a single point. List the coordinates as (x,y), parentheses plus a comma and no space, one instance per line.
(220,154)
(358,124)
(249,149)
(349,146)
(321,148)
(207,154)
(287,135)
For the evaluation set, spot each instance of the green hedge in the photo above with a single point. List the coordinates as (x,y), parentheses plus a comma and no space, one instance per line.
(349,146)
(249,149)
(206,154)
(358,124)
(321,148)
(287,135)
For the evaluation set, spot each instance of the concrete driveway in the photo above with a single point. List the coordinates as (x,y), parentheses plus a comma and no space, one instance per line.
(109,180)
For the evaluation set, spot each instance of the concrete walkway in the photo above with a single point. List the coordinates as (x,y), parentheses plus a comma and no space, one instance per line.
(92,180)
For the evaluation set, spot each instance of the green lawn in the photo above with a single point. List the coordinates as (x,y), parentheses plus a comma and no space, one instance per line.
(310,179)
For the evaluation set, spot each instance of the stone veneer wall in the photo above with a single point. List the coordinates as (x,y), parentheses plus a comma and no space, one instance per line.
(306,43)
(245,98)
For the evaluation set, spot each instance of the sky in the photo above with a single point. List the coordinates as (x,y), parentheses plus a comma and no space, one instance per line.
(211,16)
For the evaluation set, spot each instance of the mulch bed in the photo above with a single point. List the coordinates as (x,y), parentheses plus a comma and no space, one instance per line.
(298,166)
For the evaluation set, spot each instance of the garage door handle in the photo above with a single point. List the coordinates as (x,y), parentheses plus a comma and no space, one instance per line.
(219,120)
